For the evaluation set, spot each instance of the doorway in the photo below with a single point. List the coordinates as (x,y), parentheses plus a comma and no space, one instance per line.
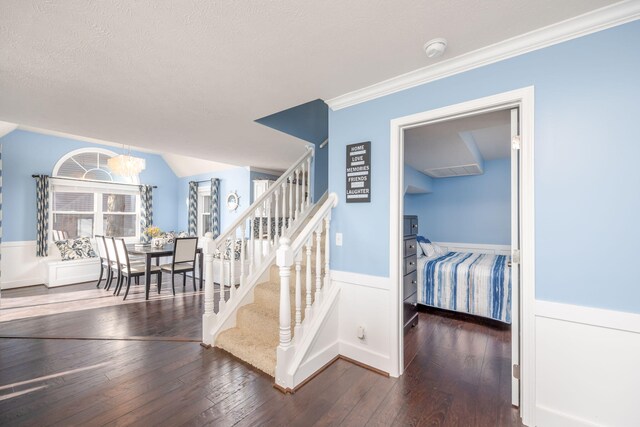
(519,105)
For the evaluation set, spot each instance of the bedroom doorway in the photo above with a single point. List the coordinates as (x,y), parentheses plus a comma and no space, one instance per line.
(507,254)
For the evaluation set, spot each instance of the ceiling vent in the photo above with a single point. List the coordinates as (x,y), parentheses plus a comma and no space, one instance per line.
(463,170)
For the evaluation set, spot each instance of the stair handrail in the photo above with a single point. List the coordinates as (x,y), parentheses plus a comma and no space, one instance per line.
(264,196)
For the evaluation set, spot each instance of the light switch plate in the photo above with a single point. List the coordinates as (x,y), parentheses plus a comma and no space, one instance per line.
(338,239)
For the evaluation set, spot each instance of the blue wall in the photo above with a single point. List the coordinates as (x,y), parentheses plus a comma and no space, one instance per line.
(467,209)
(236,179)
(27,153)
(586,173)
(309,122)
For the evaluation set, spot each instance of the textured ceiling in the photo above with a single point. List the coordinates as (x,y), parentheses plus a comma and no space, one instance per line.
(190,77)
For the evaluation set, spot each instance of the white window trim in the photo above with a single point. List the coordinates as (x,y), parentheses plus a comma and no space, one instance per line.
(97,188)
(134,180)
(203,191)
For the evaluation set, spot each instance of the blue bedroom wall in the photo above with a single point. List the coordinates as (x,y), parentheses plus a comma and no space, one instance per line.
(310,122)
(586,173)
(236,179)
(26,153)
(467,209)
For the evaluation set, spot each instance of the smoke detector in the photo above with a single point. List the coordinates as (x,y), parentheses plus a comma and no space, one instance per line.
(434,48)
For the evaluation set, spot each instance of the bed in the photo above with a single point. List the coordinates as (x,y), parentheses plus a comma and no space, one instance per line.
(473,283)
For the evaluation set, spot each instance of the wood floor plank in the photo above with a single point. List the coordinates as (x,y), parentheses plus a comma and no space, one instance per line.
(459,374)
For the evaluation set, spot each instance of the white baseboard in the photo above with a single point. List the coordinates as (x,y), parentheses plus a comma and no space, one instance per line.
(366,356)
(23,283)
(546,417)
(586,366)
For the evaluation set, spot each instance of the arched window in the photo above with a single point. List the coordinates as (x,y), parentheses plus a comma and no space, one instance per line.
(100,205)
(90,164)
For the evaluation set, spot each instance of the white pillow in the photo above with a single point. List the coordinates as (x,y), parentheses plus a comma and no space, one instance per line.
(431,249)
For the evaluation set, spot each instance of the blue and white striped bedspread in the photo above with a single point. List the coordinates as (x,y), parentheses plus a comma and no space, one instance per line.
(478,284)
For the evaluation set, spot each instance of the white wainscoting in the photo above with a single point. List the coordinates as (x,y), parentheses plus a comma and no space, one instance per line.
(20,266)
(587,370)
(365,301)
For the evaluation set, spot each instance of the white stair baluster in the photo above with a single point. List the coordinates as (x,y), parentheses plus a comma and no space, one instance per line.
(298,293)
(291,211)
(232,266)
(243,240)
(318,265)
(297,190)
(269,234)
(309,180)
(277,224)
(327,244)
(284,207)
(260,234)
(222,302)
(308,283)
(252,245)
(303,203)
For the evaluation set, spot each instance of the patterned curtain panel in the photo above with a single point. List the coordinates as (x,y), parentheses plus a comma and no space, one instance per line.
(0,216)
(42,206)
(193,208)
(146,210)
(215,207)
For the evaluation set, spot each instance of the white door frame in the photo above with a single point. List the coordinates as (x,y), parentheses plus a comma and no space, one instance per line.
(524,99)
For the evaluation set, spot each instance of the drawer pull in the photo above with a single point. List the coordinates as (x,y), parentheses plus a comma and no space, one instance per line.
(411,263)
(415,225)
(411,247)
(413,282)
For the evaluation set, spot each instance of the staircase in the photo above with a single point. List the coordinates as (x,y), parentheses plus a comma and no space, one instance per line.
(256,336)
(262,315)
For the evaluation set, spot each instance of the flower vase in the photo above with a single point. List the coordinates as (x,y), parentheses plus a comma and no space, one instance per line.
(158,242)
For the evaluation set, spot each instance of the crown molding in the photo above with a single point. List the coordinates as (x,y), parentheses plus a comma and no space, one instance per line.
(591,22)
(84,138)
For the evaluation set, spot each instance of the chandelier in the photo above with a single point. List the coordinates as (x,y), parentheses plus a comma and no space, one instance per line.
(126,164)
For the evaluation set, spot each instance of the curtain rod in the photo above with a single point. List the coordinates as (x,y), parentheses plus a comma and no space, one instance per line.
(93,180)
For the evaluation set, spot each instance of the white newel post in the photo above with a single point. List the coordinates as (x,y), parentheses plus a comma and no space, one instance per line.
(284,260)
(209,317)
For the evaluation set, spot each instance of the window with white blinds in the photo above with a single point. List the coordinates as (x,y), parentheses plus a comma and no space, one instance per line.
(85,212)
(204,211)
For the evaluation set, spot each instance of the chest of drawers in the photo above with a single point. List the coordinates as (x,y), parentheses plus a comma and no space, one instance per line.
(409,265)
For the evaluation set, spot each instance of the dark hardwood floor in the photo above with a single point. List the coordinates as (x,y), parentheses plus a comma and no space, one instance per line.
(459,376)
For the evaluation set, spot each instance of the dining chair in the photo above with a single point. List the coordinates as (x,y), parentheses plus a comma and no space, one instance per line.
(183,261)
(105,264)
(130,270)
(112,258)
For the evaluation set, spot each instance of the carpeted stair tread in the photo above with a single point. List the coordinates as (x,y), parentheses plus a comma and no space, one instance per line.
(249,347)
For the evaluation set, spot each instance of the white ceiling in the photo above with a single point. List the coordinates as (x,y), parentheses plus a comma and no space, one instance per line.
(442,145)
(189,77)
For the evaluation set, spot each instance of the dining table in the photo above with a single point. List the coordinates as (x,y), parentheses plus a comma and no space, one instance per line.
(150,252)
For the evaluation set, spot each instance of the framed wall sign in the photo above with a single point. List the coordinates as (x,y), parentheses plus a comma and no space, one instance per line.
(359,172)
